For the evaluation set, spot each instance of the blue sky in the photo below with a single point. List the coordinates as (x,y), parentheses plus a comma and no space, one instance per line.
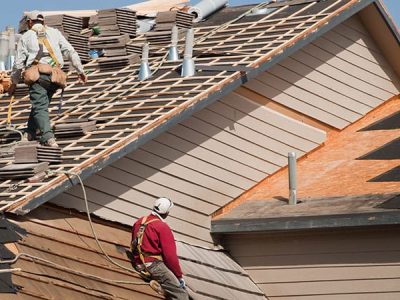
(13,11)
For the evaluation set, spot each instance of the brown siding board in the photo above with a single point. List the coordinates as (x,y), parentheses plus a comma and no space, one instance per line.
(275,132)
(261,155)
(124,192)
(215,158)
(356,24)
(294,127)
(339,287)
(362,39)
(173,182)
(346,264)
(360,70)
(316,101)
(194,163)
(121,205)
(157,190)
(358,66)
(324,273)
(369,296)
(277,95)
(252,136)
(344,106)
(316,57)
(184,173)
(342,39)
(366,101)
(115,215)
(222,148)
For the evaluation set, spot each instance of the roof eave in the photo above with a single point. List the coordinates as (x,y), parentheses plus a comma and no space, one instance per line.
(240,79)
(388,19)
(285,224)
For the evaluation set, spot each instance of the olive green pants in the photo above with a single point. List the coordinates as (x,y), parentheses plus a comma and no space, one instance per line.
(40,94)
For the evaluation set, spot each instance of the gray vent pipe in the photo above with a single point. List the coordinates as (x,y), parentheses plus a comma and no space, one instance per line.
(292,178)
(173,54)
(188,68)
(205,8)
(144,72)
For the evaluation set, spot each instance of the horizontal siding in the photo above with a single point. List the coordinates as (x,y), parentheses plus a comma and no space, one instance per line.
(202,164)
(329,265)
(336,79)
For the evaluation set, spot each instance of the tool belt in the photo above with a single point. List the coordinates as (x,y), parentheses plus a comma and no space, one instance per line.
(57,76)
(32,74)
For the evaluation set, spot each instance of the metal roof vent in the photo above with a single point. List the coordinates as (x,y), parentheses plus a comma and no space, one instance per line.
(144,72)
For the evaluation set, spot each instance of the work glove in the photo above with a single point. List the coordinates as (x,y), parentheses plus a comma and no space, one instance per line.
(11,89)
(82,78)
(182,283)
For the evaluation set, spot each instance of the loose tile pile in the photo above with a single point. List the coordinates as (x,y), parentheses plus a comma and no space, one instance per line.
(33,152)
(76,127)
(23,171)
(117,22)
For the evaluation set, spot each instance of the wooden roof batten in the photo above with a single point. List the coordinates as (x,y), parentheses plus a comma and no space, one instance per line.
(227,81)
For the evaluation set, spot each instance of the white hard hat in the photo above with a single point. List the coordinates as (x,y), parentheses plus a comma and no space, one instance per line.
(34,15)
(162,205)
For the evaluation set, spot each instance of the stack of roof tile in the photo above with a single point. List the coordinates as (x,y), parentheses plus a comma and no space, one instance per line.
(71,28)
(167,19)
(77,127)
(110,45)
(23,171)
(33,152)
(117,22)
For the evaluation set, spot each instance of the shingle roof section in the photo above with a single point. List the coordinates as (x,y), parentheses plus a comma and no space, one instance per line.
(64,237)
(130,112)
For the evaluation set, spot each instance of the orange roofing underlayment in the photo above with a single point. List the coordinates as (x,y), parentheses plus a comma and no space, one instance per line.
(130,112)
(334,169)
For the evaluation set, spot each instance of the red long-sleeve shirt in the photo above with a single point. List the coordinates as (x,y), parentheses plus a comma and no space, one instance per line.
(158,239)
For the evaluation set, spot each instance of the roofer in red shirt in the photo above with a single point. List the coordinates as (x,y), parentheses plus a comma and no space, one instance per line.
(154,251)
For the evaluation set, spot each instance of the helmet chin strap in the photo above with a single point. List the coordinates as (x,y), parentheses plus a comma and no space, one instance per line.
(154,213)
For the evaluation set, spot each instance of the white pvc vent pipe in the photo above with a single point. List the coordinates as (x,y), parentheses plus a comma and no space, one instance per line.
(205,8)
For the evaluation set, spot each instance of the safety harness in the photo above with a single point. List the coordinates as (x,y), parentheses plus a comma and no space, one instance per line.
(43,41)
(137,246)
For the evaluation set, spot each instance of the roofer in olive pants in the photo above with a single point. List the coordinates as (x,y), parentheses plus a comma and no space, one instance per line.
(40,52)
(154,251)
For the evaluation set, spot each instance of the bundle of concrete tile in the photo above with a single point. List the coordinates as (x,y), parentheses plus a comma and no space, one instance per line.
(164,22)
(31,171)
(74,127)
(110,45)
(71,28)
(117,21)
(33,152)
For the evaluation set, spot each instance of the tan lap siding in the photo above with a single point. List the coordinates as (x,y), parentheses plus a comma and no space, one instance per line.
(336,79)
(325,265)
(202,164)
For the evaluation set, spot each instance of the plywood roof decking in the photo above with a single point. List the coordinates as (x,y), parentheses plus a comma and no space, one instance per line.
(334,170)
(126,108)
(64,237)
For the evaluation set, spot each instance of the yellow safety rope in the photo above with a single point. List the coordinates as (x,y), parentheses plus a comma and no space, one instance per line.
(9,111)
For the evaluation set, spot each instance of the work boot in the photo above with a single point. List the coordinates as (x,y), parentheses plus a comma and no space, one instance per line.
(26,136)
(51,142)
(156,286)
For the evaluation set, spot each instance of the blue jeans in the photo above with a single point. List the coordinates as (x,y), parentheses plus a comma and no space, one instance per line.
(168,281)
